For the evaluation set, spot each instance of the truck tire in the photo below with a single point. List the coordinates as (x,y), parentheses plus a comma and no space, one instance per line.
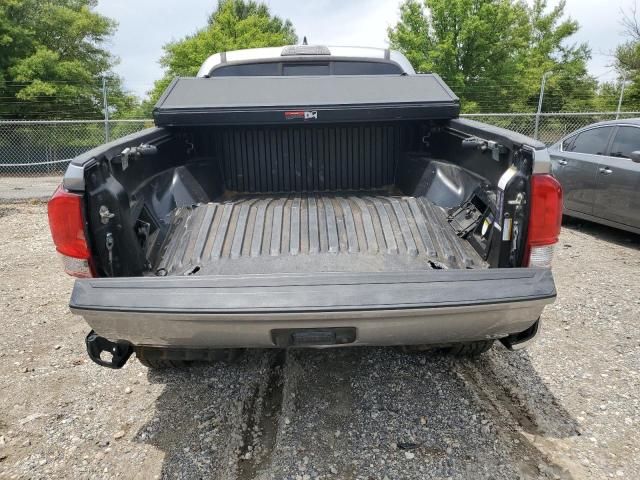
(161,358)
(153,359)
(470,349)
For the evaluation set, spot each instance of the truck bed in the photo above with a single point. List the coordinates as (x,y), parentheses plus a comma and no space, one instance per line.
(311,233)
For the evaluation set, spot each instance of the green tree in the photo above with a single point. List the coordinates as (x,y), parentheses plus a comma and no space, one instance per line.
(627,60)
(234,25)
(493,52)
(51,60)
(608,95)
(570,87)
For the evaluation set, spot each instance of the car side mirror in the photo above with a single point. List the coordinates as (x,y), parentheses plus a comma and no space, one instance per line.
(635,156)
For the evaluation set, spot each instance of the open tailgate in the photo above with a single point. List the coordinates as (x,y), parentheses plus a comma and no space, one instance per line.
(384,308)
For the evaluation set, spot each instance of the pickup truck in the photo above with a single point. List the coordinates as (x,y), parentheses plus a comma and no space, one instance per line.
(307,196)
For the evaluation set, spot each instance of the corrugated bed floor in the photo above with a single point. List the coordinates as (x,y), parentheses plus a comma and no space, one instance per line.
(267,234)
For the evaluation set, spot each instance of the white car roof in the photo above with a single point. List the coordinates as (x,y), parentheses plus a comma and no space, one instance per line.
(309,52)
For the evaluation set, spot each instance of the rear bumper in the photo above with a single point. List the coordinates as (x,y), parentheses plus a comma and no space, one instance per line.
(431,307)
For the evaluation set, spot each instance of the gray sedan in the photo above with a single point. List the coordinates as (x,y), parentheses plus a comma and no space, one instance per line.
(599,169)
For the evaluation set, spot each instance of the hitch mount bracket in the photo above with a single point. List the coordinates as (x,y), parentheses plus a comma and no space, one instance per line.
(120,350)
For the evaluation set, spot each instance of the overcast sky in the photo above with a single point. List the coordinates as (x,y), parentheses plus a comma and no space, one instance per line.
(146,25)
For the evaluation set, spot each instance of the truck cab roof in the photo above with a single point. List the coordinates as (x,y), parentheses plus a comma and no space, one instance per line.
(306,60)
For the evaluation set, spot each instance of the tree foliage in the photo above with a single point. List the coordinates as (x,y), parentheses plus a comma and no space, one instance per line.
(627,59)
(52,60)
(234,25)
(493,53)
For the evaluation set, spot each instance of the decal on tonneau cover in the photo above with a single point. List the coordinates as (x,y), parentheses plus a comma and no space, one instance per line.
(301,115)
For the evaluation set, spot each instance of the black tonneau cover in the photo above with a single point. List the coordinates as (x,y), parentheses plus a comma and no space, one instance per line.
(319,99)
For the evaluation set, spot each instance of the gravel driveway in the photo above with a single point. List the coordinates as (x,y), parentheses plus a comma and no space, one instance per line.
(568,407)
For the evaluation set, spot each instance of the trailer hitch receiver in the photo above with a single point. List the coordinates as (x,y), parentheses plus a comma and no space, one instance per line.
(120,350)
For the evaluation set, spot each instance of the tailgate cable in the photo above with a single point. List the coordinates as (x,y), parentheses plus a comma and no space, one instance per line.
(109,244)
(519,203)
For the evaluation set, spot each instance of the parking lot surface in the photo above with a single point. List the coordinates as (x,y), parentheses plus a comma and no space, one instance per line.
(568,407)
(27,188)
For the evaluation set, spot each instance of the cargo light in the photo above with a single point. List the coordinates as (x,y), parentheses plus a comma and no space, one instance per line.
(545,219)
(68,232)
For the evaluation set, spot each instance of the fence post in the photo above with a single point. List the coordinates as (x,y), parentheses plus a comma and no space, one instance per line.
(106,109)
(544,82)
(624,81)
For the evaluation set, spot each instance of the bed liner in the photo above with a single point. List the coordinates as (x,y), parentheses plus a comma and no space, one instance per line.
(312,233)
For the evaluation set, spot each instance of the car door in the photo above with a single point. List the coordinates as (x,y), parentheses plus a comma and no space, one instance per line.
(618,184)
(575,164)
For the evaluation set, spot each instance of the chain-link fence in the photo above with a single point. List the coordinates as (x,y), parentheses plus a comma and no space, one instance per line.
(44,148)
(551,126)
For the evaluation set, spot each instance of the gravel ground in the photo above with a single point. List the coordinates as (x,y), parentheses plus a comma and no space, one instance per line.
(25,188)
(568,407)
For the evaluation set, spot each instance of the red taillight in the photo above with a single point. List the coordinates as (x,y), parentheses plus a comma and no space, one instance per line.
(67,231)
(545,219)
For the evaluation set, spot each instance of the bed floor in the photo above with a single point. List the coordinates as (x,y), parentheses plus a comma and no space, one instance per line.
(321,232)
